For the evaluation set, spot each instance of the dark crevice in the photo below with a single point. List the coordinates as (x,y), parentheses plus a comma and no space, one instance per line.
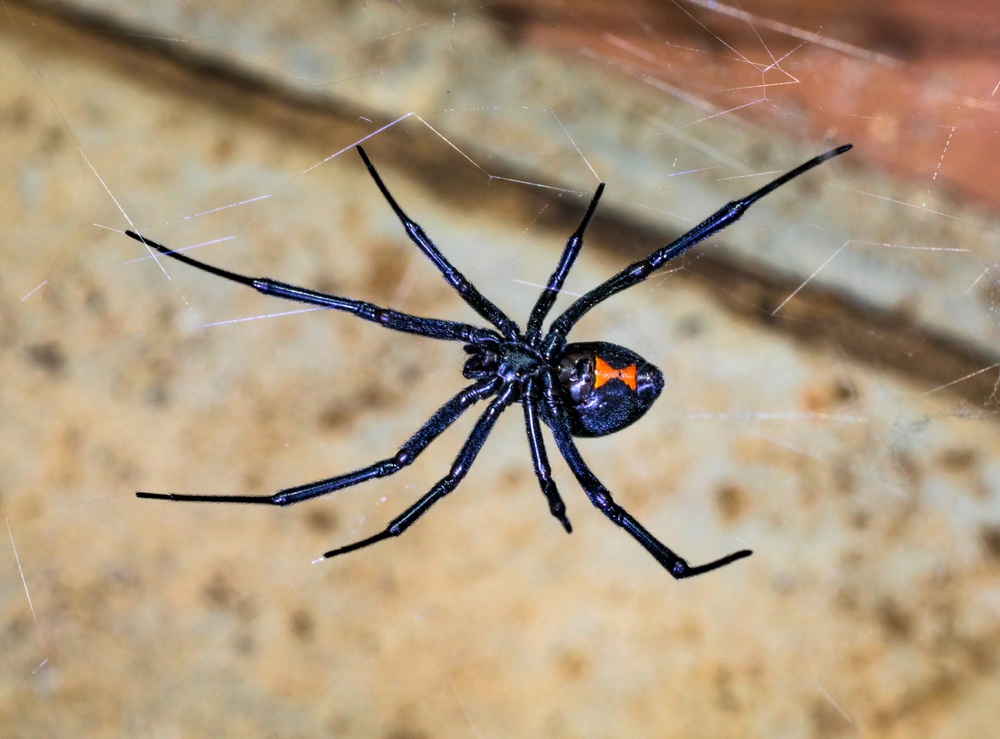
(819,317)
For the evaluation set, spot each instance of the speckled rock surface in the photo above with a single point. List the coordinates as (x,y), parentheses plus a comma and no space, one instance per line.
(868,493)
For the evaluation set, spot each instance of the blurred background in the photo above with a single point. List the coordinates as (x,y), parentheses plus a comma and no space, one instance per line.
(832,365)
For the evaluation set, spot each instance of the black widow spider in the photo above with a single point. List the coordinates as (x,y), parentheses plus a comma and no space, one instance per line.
(583,389)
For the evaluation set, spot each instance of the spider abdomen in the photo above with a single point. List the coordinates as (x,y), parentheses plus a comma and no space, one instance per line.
(606,387)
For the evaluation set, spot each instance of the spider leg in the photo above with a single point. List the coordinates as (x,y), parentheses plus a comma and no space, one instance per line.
(470,294)
(430,327)
(444,417)
(573,245)
(446,484)
(540,460)
(639,271)
(600,496)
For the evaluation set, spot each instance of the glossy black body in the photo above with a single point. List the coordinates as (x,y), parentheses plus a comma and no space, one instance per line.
(578,390)
(597,408)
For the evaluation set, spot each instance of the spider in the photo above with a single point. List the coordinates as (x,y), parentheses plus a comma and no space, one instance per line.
(587,389)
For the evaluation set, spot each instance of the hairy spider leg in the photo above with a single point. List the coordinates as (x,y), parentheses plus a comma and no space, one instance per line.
(444,417)
(470,294)
(539,459)
(446,484)
(573,245)
(432,328)
(600,496)
(639,271)
(510,391)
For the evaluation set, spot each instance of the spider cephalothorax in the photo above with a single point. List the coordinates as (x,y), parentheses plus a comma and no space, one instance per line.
(578,390)
(513,362)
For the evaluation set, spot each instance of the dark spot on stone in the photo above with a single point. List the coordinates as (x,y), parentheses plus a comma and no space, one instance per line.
(223,148)
(907,466)
(894,620)
(827,720)
(845,480)
(243,644)
(252,479)
(889,36)
(844,391)
(408,372)
(386,269)
(691,326)
(95,302)
(333,417)
(376,399)
(54,137)
(49,356)
(512,477)
(958,459)
(860,520)
(513,21)
(17,628)
(325,284)
(731,502)
(321,520)
(990,538)
(725,696)
(573,665)
(155,394)
(407,732)
(989,292)
(218,592)
(18,113)
(302,625)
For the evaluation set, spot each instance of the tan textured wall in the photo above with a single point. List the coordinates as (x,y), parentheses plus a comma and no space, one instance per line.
(822,436)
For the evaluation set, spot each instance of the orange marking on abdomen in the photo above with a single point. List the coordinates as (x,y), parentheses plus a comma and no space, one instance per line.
(605,372)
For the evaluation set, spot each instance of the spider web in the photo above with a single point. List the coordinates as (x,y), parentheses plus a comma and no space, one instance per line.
(831,363)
